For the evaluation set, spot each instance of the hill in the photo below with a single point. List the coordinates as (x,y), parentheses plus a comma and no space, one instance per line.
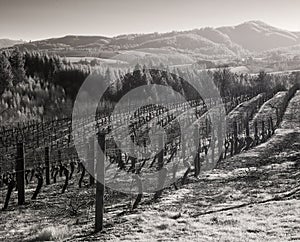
(5,43)
(247,39)
(258,36)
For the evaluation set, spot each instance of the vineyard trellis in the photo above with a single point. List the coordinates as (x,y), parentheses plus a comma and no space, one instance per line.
(45,149)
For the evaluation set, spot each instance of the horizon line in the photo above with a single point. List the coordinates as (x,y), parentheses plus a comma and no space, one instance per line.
(140,33)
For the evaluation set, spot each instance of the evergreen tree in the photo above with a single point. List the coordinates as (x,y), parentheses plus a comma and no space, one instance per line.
(6,75)
(262,81)
(17,63)
(137,67)
(108,77)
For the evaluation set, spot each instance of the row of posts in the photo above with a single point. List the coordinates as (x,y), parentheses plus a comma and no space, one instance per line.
(99,171)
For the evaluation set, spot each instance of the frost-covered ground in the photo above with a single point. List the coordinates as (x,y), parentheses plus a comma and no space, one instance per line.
(181,215)
(253,196)
(268,109)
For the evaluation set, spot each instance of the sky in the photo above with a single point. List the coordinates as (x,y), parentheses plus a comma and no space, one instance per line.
(41,19)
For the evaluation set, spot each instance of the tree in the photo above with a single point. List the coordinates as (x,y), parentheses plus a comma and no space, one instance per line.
(224,79)
(6,75)
(17,63)
(109,77)
(263,81)
(137,67)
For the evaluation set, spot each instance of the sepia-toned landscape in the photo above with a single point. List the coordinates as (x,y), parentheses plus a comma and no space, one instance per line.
(190,134)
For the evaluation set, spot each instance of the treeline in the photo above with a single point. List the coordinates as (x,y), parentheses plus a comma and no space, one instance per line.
(57,71)
(70,77)
(11,69)
(36,85)
(62,73)
(27,95)
(233,84)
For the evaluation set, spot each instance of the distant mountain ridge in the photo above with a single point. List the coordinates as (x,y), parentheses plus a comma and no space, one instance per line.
(223,42)
(5,43)
(259,36)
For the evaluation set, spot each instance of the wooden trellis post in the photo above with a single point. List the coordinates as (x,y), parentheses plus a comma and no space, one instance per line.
(100,186)
(161,153)
(59,159)
(247,128)
(212,144)
(263,130)
(47,165)
(162,171)
(197,147)
(235,137)
(20,173)
(220,135)
(256,138)
(91,161)
(271,125)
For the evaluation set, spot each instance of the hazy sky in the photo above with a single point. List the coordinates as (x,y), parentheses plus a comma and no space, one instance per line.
(38,19)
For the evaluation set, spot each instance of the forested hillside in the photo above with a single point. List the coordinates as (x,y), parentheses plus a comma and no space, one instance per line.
(35,85)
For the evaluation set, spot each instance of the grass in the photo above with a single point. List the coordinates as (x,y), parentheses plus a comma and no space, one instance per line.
(53,233)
